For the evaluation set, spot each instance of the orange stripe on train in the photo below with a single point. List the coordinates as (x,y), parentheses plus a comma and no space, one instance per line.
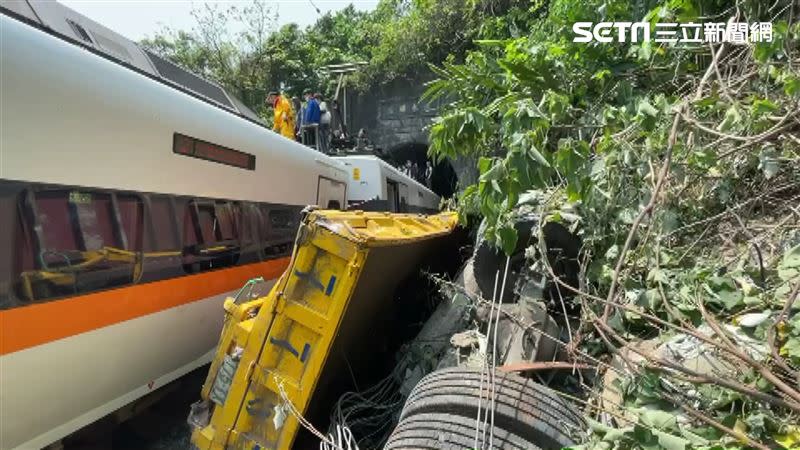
(37,324)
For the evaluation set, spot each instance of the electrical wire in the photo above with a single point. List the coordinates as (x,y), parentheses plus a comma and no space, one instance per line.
(344,438)
(371,413)
(483,370)
(315,7)
(494,351)
(302,420)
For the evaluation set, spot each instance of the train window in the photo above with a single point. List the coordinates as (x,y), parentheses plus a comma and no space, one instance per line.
(162,248)
(262,218)
(210,236)
(54,218)
(247,217)
(204,223)
(162,220)
(94,219)
(11,240)
(278,227)
(226,223)
(283,218)
(78,249)
(131,219)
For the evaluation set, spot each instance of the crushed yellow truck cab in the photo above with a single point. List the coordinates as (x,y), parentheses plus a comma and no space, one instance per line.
(273,359)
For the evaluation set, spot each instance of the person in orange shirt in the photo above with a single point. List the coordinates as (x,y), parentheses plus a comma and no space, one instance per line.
(283,120)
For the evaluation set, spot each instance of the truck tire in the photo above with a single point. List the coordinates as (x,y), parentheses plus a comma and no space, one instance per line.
(529,409)
(436,431)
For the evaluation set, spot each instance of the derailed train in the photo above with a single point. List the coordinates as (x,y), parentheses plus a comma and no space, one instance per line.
(134,197)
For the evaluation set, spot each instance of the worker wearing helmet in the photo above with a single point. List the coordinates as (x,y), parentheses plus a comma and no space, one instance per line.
(283,120)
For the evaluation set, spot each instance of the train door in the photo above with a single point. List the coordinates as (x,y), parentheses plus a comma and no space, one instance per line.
(331,194)
(403,194)
(392,195)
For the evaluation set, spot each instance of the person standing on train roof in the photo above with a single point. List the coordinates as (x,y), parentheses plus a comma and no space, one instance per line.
(283,119)
(324,123)
(312,109)
(311,121)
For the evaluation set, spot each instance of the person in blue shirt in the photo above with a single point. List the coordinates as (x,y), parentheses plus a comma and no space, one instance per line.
(311,119)
(312,110)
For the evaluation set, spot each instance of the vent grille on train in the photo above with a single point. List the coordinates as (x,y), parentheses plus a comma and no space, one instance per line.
(188,80)
(80,31)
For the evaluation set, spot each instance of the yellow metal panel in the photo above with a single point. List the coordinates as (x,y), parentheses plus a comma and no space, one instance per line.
(283,340)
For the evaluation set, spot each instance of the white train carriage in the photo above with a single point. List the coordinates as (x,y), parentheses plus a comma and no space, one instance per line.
(375,185)
(134,197)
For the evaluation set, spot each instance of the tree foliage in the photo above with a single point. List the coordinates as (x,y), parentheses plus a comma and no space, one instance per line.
(242,47)
(669,160)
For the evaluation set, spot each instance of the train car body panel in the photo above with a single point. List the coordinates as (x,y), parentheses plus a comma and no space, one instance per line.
(79,373)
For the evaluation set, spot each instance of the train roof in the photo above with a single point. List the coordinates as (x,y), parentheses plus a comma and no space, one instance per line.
(78,29)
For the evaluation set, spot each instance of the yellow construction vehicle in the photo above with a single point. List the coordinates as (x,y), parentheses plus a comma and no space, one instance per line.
(273,356)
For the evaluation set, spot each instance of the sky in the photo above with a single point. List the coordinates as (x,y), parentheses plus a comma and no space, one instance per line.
(137,19)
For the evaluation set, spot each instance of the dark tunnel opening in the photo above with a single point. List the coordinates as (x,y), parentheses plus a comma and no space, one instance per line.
(444,179)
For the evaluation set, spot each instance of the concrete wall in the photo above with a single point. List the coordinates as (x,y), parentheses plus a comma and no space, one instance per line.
(394,117)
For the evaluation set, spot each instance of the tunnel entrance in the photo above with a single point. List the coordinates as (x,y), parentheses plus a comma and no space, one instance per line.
(443,178)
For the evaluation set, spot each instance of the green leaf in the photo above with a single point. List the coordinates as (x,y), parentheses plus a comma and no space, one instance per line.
(646,108)
(507,238)
(649,299)
(670,442)
(762,107)
(731,299)
(538,157)
(791,86)
(791,259)
(732,118)
(484,164)
(657,419)
(792,349)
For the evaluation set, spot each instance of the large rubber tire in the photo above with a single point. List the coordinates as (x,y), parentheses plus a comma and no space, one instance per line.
(436,431)
(527,408)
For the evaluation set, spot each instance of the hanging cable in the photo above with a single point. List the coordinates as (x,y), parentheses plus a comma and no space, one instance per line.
(303,422)
(483,371)
(315,7)
(494,351)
